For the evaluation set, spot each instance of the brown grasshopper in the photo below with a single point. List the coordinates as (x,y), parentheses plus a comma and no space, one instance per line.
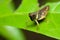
(39,15)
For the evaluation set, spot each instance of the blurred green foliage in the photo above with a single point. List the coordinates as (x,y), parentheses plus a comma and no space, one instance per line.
(11,33)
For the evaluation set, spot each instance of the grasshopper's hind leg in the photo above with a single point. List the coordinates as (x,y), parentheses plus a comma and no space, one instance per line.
(37,25)
(37,22)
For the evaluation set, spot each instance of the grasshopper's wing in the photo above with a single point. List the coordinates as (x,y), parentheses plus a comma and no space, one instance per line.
(43,12)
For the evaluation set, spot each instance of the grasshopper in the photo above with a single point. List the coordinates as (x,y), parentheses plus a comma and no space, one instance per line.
(39,15)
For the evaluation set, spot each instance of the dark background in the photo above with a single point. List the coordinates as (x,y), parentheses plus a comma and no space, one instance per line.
(29,35)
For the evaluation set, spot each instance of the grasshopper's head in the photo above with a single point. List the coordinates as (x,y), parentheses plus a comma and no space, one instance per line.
(32,16)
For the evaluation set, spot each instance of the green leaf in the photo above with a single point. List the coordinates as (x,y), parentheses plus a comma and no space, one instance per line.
(5,7)
(20,18)
(28,6)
